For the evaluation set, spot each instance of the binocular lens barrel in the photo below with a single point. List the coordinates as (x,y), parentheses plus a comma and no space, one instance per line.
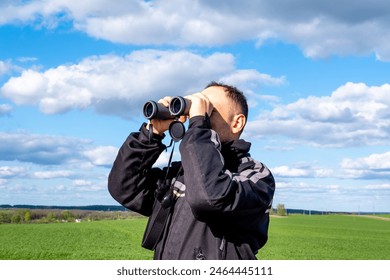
(178,106)
(154,110)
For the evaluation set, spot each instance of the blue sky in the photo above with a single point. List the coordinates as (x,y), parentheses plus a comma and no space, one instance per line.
(74,77)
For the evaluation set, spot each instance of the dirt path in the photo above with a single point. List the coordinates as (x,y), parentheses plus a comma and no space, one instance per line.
(374,217)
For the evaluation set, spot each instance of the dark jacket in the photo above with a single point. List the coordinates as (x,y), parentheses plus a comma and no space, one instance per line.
(222,195)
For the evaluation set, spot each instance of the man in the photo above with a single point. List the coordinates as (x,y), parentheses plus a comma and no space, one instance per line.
(215,203)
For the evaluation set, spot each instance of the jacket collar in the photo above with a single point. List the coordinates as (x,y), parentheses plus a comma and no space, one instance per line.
(233,151)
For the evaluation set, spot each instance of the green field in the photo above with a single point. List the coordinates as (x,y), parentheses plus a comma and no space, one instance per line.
(330,237)
(99,240)
(296,237)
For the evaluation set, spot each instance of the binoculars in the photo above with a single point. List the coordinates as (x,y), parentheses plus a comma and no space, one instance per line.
(179,106)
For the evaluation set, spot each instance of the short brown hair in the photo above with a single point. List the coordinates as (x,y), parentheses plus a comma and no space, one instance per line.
(235,95)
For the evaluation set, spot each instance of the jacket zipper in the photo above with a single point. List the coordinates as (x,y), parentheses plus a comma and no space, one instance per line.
(222,249)
(199,254)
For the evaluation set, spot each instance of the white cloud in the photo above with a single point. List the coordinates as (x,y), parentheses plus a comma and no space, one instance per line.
(82,182)
(378,187)
(103,155)
(241,79)
(310,171)
(11,171)
(5,109)
(25,59)
(374,161)
(355,196)
(7,67)
(30,86)
(52,174)
(120,85)
(4,67)
(51,150)
(319,28)
(373,166)
(40,149)
(353,115)
(286,171)
(303,187)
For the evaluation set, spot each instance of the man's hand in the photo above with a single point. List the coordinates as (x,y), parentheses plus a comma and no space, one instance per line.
(200,105)
(160,126)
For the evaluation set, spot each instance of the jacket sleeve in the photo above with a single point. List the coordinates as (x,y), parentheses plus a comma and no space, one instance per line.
(132,180)
(214,192)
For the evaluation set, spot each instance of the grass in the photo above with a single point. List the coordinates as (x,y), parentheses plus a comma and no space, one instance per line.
(332,237)
(100,240)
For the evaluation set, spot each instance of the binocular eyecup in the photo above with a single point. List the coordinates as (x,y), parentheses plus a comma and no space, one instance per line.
(178,106)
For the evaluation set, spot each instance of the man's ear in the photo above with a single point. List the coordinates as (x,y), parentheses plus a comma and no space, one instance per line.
(238,123)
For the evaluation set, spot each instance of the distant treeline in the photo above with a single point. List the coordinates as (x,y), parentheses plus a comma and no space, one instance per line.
(55,215)
(281,210)
(316,212)
(16,214)
(121,208)
(88,207)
